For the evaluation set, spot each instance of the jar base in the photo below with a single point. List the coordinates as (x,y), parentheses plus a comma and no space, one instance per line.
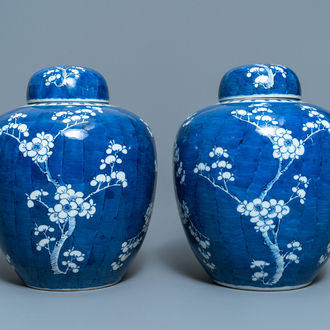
(69,290)
(255,288)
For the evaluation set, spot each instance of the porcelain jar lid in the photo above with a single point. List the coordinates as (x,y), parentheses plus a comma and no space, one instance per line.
(67,83)
(260,81)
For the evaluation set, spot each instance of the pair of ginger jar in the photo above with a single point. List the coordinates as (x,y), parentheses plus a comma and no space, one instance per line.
(252,180)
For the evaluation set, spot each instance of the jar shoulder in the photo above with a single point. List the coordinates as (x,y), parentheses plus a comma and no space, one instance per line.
(73,113)
(277,112)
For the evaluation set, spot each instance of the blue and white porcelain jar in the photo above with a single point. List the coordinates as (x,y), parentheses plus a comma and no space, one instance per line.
(77,181)
(252,177)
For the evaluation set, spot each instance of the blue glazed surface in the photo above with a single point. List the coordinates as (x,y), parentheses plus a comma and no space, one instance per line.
(67,82)
(260,80)
(252,180)
(77,186)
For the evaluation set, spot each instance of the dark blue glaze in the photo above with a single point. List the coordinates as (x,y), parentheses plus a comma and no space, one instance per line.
(260,80)
(252,180)
(67,82)
(77,184)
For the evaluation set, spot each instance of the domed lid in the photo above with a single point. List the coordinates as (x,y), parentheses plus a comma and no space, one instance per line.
(259,80)
(67,83)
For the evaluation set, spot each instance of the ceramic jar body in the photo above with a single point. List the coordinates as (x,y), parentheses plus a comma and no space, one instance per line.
(252,179)
(76,186)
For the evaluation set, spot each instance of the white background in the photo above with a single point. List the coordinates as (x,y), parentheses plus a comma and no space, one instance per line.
(163,60)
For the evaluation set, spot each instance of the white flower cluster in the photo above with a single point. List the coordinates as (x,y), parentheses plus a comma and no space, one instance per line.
(280,69)
(285,146)
(260,115)
(35,196)
(13,118)
(45,241)
(218,151)
(203,246)
(240,113)
(74,256)
(128,246)
(119,177)
(13,125)
(298,191)
(265,75)
(180,172)
(262,213)
(115,177)
(126,250)
(292,257)
(325,256)
(203,241)
(184,212)
(77,116)
(176,156)
(147,218)
(70,204)
(220,164)
(260,275)
(39,148)
(319,124)
(113,150)
(59,76)
(53,75)
(202,167)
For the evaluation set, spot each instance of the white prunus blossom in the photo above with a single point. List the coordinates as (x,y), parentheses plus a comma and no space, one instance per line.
(65,205)
(264,213)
